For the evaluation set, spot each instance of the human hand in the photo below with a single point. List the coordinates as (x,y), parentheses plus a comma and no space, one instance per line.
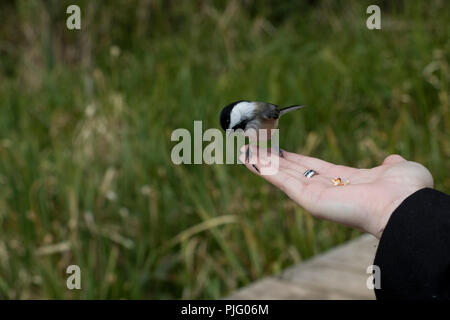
(366,203)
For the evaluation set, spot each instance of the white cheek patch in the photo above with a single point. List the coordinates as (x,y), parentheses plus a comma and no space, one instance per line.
(243,110)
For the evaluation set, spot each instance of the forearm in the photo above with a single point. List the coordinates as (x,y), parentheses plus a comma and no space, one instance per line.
(414,250)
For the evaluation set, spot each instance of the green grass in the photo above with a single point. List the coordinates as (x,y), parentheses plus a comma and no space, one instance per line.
(86,118)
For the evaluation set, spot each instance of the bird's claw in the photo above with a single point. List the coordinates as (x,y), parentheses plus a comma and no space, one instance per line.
(247,159)
(247,155)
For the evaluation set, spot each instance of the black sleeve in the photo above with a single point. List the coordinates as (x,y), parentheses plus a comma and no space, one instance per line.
(414,251)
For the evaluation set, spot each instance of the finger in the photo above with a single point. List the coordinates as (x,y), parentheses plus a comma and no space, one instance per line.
(263,156)
(292,168)
(308,162)
(296,170)
(393,158)
(304,191)
(260,154)
(315,179)
(323,167)
(294,173)
(286,163)
(300,170)
(288,182)
(324,174)
(249,158)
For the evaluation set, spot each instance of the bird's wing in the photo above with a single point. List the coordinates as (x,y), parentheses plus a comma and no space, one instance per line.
(241,125)
(270,111)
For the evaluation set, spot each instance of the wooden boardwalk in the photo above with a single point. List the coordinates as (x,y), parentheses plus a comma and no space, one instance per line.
(339,273)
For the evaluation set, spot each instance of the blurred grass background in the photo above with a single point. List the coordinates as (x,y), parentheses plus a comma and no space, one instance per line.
(86,118)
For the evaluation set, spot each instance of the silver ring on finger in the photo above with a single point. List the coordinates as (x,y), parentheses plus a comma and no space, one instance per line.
(309,173)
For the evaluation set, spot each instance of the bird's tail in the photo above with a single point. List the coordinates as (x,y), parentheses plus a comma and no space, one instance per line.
(289,109)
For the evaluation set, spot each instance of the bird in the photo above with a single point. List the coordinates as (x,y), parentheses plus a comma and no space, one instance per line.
(245,115)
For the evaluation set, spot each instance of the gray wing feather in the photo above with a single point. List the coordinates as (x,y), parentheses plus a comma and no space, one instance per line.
(269,111)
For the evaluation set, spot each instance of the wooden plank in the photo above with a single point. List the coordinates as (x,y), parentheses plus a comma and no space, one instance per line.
(271,288)
(337,274)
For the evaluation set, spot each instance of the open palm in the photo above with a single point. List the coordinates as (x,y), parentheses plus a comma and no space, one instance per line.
(366,202)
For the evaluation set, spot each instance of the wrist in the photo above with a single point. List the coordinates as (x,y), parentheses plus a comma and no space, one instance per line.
(386,213)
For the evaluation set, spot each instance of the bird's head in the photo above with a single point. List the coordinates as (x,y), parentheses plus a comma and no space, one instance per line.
(234,115)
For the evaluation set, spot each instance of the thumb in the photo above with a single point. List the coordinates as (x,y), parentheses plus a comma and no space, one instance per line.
(393,158)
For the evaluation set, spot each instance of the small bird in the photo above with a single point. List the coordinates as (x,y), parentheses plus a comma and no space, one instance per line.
(247,115)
